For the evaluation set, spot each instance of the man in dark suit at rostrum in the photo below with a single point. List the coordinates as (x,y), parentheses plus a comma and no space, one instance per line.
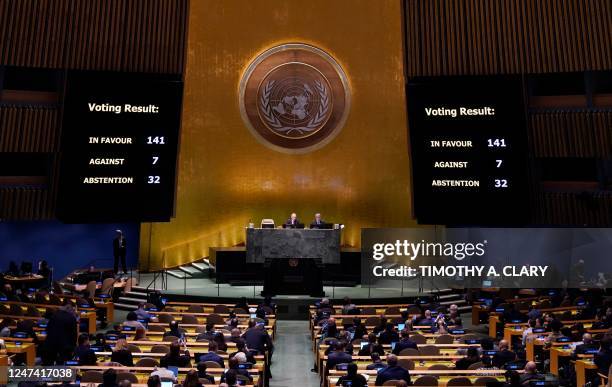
(392,372)
(318,222)
(119,251)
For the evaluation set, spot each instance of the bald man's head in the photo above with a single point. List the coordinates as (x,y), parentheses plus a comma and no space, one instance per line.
(503,344)
(392,360)
(587,338)
(530,367)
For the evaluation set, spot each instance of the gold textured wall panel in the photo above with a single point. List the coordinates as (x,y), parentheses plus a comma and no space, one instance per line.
(226,177)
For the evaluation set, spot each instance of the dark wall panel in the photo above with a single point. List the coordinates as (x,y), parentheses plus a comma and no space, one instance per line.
(454,37)
(127,35)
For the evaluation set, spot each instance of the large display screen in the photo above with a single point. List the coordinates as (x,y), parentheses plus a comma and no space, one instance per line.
(119,147)
(468,145)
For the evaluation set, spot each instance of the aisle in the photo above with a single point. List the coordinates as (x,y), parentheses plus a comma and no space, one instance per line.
(293,356)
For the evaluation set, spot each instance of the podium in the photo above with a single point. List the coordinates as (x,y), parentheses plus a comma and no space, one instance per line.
(293,258)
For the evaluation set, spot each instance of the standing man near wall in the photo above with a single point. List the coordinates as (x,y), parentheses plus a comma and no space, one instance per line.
(119,251)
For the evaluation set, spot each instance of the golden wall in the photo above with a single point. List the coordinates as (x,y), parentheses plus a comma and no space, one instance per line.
(226,177)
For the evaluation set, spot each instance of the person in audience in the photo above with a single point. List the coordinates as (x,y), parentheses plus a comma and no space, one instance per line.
(109,378)
(586,345)
(528,332)
(125,383)
(453,318)
(45,272)
(504,355)
(242,348)
(155,381)
(220,340)
(360,329)
(191,379)
(209,335)
(141,335)
(61,335)
(257,338)
(9,293)
(201,367)
(352,378)
(372,346)
(425,320)
(119,251)
(376,362)
(174,357)
(267,303)
(260,313)
(175,330)
(101,343)
(229,378)
(531,373)
(5,327)
(338,356)
(131,320)
(212,355)
(392,372)
(115,330)
(83,353)
(242,304)
(121,354)
(348,306)
(404,342)
(162,373)
(330,329)
(233,366)
(389,335)
(143,314)
(471,358)
(382,326)
(235,335)
(603,358)
(439,326)
(555,332)
(232,323)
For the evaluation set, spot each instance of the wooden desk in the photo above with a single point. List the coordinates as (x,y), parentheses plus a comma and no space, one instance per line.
(29,349)
(4,362)
(581,370)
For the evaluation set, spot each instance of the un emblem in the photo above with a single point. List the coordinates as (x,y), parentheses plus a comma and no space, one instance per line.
(294,98)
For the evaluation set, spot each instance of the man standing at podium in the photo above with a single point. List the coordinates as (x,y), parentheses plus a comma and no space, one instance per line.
(317,222)
(293,221)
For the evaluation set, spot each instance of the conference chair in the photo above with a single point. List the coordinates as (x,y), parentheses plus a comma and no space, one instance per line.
(406,364)
(459,381)
(485,380)
(426,380)
(393,310)
(195,309)
(189,319)
(475,366)
(410,352)
(368,311)
(32,311)
(215,319)
(121,376)
(107,287)
(160,348)
(133,348)
(429,350)
(419,339)
(391,383)
(90,289)
(372,321)
(147,362)
(170,339)
(221,309)
(445,339)
(212,364)
(165,318)
(91,377)
(156,328)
